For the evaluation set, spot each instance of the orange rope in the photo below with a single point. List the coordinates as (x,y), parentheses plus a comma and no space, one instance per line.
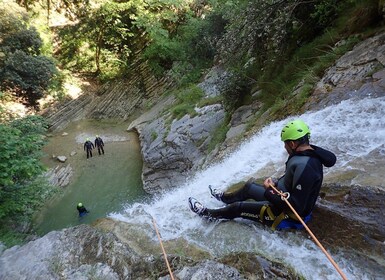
(310,232)
(164,252)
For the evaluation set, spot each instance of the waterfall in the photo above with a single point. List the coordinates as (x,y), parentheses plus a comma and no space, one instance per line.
(351,129)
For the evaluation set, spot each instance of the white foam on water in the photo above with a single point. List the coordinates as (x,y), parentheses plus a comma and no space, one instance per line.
(351,129)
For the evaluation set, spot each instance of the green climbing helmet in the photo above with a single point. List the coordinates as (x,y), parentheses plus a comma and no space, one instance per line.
(294,130)
(80,204)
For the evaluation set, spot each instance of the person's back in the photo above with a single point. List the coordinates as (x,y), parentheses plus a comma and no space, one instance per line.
(303,179)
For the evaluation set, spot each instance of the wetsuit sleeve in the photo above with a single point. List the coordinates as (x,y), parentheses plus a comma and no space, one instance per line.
(275,199)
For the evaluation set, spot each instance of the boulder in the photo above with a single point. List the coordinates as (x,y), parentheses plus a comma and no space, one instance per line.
(61,158)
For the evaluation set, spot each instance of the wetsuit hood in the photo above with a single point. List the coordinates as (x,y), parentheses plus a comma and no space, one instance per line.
(327,158)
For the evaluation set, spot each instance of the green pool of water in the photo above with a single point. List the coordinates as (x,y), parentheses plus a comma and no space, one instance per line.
(103,183)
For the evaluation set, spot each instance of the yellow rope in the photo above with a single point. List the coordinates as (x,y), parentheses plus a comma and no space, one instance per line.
(164,252)
(310,232)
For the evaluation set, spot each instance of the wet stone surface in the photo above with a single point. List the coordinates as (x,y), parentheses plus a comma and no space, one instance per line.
(350,218)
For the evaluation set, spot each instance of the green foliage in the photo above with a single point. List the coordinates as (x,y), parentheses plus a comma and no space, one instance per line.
(186,50)
(312,58)
(210,101)
(104,39)
(190,95)
(218,136)
(154,135)
(23,70)
(26,40)
(21,191)
(161,54)
(17,208)
(161,27)
(187,99)
(234,90)
(12,18)
(9,237)
(170,35)
(20,152)
(75,52)
(27,76)
(111,28)
(325,11)
(181,110)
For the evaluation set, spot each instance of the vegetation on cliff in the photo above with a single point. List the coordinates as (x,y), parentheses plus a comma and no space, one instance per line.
(271,46)
(21,190)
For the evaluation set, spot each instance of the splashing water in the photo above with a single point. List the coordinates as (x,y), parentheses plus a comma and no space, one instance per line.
(351,129)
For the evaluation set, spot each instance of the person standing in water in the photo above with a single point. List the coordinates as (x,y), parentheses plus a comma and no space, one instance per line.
(81,209)
(300,184)
(99,144)
(88,146)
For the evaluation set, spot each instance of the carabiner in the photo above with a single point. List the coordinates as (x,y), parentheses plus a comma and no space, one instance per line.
(285,195)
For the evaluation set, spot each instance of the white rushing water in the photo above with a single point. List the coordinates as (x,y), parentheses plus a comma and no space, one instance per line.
(351,129)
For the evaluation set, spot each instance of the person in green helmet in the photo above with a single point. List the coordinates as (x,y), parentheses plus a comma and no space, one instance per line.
(88,146)
(81,209)
(301,184)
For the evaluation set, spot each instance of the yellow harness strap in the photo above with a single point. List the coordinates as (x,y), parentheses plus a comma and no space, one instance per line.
(267,209)
(277,219)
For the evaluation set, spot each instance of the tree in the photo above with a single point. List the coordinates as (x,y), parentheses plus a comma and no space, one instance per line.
(110,29)
(20,153)
(27,76)
(24,72)
(26,40)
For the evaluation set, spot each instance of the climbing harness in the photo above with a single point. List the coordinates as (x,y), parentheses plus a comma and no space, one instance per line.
(164,252)
(283,197)
(285,220)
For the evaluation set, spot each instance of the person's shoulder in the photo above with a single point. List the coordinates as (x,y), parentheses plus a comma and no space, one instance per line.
(299,158)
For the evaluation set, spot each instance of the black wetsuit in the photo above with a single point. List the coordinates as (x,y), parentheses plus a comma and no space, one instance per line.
(88,146)
(99,144)
(303,179)
(82,210)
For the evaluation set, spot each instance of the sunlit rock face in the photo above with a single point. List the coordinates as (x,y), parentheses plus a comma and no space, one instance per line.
(171,151)
(359,73)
